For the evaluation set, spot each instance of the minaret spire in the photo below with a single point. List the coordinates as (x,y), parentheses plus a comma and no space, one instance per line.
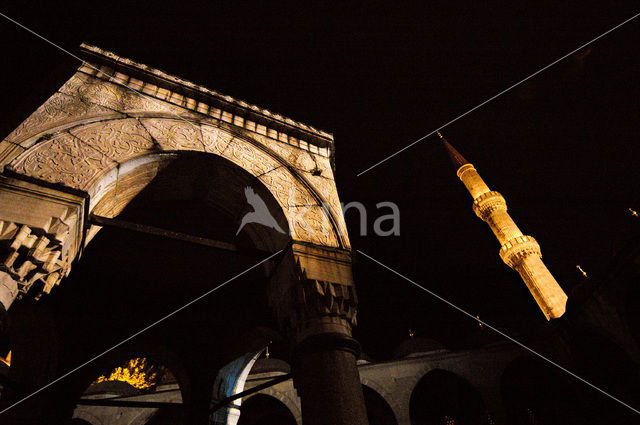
(455,156)
(520,252)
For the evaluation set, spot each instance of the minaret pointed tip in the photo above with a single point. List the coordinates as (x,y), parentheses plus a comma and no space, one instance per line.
(456,158)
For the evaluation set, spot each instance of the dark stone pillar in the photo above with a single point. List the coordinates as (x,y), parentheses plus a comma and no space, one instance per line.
(326,377)
(313,296)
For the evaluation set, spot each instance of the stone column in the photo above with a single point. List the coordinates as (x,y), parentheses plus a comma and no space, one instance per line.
(314,299)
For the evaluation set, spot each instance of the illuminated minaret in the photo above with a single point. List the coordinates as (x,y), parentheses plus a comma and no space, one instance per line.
(520,252)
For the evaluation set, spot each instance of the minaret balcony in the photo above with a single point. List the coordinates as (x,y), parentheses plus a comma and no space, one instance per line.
(488,202)
(515,250)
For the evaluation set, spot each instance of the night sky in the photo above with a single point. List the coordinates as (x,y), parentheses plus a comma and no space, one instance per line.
(561,147)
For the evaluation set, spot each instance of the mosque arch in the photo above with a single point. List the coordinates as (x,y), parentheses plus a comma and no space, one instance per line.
(93,156)
(442,397)
(156,377)
(97,150)
(262,409)
(379,411)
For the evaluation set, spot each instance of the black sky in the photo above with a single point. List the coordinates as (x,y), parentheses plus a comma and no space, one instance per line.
(562,147)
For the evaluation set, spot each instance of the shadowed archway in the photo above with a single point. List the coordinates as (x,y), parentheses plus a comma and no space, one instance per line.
(378,410)
(442,397)
(262,409)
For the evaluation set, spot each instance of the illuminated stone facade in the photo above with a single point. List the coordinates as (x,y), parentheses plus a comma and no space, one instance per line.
(395,383)
(113,127)
(518,251)
(117,123)
(111,130)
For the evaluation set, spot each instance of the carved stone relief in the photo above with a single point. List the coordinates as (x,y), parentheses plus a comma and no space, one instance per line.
(250,158)
(118,140)
(64,159)
(174,134)
(99,92)
(58,110)
(311,289)
(91,90)
(297,158)
(106,140)
(79,158)
(215,140)
(29,255)
(115,141)
(137,102)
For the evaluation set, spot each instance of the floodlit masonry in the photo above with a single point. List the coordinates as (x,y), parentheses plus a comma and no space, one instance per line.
(518,251)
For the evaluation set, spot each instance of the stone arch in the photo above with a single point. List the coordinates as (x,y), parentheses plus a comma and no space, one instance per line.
(377,387)
(229,381)
(270,397)
(379,410)
(120,126)
(92,156)
(393,400)
(211,181)
(441,396)
(159,354)
(107,160)
(154,354)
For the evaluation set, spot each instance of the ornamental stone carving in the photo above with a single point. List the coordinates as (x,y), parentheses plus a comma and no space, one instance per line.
(249,157)
(118,140)
(64,159)
(109,133)
(312,291)
(517,249)
(41,231)
(58,110)
(175,134)
(488,202)
(214,139)
(30,256)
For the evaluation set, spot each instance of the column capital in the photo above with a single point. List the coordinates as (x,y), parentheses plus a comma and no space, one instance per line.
(41,233)
(312,291)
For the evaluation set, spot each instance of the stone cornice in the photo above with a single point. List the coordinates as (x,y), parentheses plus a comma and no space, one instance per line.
(186,94)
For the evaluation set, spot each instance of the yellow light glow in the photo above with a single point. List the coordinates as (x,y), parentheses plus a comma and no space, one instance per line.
(582,271)
(136,373)
(6,360)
